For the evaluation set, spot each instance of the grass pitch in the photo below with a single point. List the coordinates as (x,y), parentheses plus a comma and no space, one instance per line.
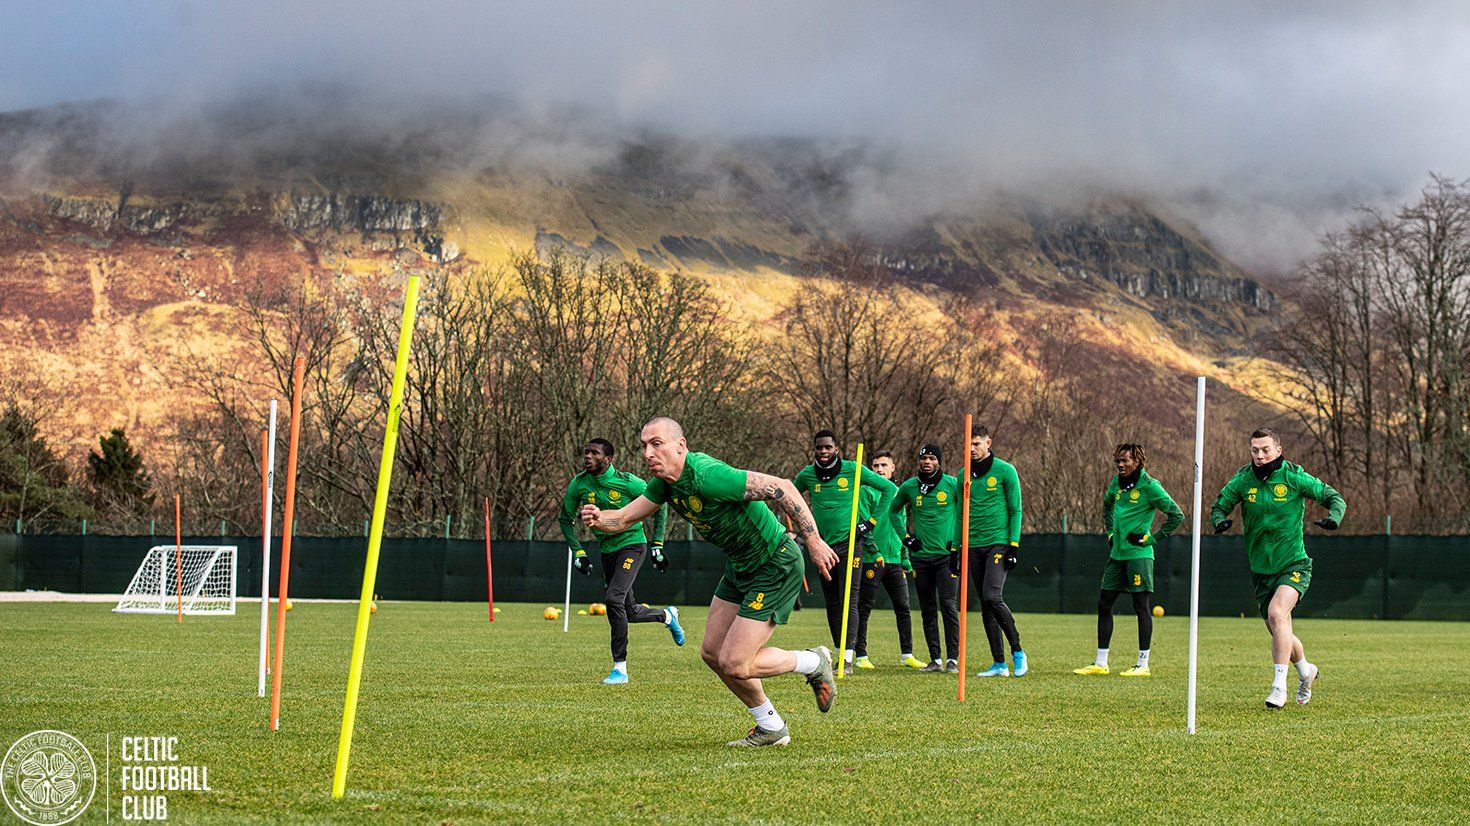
(465,721)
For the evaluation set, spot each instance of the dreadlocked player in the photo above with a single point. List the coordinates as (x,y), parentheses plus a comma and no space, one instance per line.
(1129,505)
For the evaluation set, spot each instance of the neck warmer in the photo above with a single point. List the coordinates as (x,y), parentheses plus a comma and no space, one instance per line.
(1263,472)
(1127,482)
(828,472)
(980,467)
(928,483)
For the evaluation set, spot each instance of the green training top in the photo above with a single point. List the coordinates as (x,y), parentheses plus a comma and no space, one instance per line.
(1132,511)
(1271,513)
(711,495)
(883,541)
(995,506)
(934,520)
(612,490)
(832,499)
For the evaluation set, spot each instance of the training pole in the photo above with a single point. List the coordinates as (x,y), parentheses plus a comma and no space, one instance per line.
(1199,461)
(489,580)
(964,597)
(298,372)
(566,609)
(267,489)
(179,554)
(375,538)
(857,479)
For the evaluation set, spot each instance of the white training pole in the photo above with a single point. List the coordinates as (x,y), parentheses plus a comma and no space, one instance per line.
(1199,460)
(566,611)
(265,544)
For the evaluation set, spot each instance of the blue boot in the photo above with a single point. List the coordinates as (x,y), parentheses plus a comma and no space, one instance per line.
(996,670)
(671,620)
(1018,662)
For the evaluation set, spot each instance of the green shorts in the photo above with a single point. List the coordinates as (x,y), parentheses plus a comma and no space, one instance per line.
(1298,576)
(770,591)
(1131,575)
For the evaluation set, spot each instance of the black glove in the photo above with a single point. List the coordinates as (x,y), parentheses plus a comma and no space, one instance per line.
(656,553)
(1326,523)
(582,563)
(1010,560)
(864,527)
(913,544)
(1137,539)
(954,561)
(1221,527)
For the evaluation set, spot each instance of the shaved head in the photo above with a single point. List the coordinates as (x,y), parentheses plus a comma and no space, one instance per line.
(670,427)
(664,447)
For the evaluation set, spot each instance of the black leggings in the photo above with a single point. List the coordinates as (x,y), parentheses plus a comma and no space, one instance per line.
(937,588)
(832,593)
(892,578)
(987,569)
(1105,602)
(618,571)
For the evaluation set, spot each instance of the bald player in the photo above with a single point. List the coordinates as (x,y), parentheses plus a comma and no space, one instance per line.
(732,509)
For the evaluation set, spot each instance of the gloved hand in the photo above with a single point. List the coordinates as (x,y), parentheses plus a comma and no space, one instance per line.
(878,561)
(1138,539)
(954,561)
(865,527)
(582,563)
(1326,523)
(656,553)
(1011,560)
(1221,527)
(913,544)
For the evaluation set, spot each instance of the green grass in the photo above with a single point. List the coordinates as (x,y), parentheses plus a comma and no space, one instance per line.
(465,721)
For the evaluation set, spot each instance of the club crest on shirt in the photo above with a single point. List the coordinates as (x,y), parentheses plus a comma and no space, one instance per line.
(695,505)
(990,482)
(842,482)
(1133,494)
(1280,489)
(612,494)
(942,497)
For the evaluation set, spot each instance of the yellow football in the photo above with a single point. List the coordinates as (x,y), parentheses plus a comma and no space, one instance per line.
(373,608)
(289,606)
(1158,610)
(551,613)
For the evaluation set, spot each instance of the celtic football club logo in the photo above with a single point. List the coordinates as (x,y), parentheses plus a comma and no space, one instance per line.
(48,777)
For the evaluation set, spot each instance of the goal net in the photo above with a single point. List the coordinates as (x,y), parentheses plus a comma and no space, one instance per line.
(203,574)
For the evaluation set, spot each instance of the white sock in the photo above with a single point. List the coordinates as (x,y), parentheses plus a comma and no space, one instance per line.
(1279,681)
(807,662)
(1102,658)
(766,717)
(847,655)
(621,665)
(1302,667)
(905,655)
(1143,658)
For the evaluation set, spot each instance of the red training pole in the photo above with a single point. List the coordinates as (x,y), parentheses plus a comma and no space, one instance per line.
(489,580)
(179,555)
(964,551)
(286,532)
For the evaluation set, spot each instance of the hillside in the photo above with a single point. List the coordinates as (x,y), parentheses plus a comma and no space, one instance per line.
(111,274)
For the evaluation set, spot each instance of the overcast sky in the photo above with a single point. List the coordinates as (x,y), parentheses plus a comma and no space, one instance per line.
(1265,122)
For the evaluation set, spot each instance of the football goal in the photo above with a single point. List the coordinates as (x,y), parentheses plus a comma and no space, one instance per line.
(203,574)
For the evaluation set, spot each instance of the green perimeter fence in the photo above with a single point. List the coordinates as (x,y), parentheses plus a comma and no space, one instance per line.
(1394,577)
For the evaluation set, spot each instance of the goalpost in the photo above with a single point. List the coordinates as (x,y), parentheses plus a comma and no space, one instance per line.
(204,575)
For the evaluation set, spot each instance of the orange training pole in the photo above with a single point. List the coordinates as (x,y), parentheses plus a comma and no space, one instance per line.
(964,551)
(179,555)
(489,580)
(286,532)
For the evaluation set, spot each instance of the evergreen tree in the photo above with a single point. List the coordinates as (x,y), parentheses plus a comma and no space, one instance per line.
(117,474)
(34,482)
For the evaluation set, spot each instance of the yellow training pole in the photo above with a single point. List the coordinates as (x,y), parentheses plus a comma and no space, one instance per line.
(857,478)
(375,538)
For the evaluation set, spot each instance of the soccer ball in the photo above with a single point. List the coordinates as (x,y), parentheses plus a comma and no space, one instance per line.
(373,608)
(551,613)
(1158,610)
(289,605)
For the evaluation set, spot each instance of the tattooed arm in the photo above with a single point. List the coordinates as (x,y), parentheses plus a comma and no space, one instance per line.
(619,520)
(783,497)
